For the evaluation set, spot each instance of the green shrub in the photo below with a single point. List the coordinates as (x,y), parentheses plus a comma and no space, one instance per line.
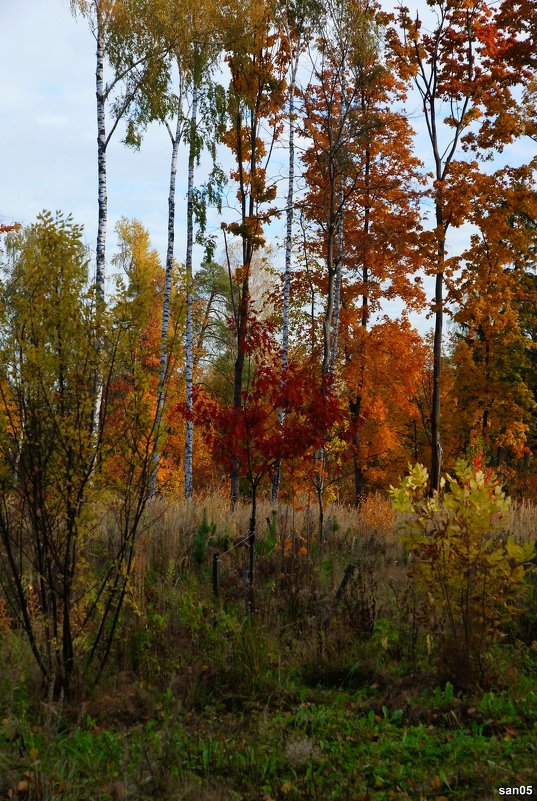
(472,579)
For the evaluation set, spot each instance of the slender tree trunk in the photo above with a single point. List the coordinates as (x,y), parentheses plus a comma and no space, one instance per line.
(329,308)
(339,235)
(442,159)
(337,288)
(248,210)
(436,456)
(100,256)
(356,404)
(238,371)
(251,548)
(189,351)
(288,257)
(101,167)
(175,139)
(328,320)
(326,369)
(331,332)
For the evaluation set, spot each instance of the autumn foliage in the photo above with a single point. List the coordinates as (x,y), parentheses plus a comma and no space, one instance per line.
(411,203)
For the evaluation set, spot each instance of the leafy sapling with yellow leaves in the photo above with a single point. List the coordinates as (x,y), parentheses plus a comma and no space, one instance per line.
(470,574)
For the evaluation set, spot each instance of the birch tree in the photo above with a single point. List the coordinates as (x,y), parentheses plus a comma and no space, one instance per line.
(188,109)
(129,53)
(135,63)
(332,127)
(295,23)
(67,603)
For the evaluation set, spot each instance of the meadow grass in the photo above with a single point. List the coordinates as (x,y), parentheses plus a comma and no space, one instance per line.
(328,692)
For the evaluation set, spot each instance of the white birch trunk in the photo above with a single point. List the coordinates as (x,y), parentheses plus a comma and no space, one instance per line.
(163,366)
(100,256)
(339,226)
(189,350)
(331,318)
(337,288)
(101,165)
(288,253)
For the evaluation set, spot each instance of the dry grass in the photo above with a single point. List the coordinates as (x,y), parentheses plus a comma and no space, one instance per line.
(166,549)
(299,581)
(522,521)
(176,522)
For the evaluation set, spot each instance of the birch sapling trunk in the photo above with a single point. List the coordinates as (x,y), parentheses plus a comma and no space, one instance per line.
(189,349)
(331,315)
(101,165)
(100,256)
(331,331)
(326,368)
(339,228)
(288,254)
(163,364)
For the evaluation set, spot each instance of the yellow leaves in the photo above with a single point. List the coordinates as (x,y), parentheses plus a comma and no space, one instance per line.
(418,477)
(520,553)
(412,488)
(459,559)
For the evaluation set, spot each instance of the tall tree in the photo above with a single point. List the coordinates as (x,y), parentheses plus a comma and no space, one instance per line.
(329,113)
(135,63)
(294,18)
(462,72)
(127,50)
(492,361)
(205,94)
(362,196)
(187,105)
(257,64)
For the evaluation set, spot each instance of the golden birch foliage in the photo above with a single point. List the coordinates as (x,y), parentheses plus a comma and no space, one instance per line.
(133,391)
(49,361)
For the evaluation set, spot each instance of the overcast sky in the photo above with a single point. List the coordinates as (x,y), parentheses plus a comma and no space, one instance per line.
(48,132)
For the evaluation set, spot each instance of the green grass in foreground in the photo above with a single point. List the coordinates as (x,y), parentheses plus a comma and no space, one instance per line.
(311,744)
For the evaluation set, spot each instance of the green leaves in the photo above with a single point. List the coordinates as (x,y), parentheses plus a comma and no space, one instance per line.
(463,566)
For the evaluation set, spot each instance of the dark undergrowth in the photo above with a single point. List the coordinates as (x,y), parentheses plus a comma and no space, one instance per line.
(332,689)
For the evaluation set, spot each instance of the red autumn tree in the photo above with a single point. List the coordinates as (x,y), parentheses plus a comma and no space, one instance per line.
(257,64)
(254,437)
(464,69)
(362,204)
